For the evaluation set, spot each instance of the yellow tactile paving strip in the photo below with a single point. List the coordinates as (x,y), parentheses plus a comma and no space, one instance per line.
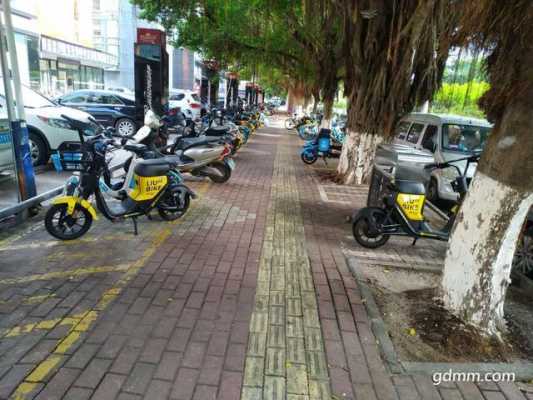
(285,356)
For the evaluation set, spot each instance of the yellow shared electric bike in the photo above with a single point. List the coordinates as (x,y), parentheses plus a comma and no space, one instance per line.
(152,184)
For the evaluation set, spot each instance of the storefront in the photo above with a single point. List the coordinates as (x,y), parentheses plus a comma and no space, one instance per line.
(67,66)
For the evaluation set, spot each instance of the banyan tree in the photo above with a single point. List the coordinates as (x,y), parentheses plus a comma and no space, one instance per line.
(480,252)
(394,56)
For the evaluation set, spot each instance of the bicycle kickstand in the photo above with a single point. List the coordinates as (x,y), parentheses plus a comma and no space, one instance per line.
(135,231)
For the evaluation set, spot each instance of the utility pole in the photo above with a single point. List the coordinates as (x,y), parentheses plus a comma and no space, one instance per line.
(15,108)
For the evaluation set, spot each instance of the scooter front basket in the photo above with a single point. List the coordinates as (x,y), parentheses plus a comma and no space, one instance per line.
(70,157)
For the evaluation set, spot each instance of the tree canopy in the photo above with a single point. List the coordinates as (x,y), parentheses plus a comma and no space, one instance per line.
(299,40)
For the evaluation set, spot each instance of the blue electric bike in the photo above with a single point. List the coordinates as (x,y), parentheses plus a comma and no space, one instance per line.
(324,145)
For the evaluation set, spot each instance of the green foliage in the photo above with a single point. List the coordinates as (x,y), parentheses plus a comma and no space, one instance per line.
(237,33)
(273,81)
(460,69)
(460,99)
(341,103)
(295,40)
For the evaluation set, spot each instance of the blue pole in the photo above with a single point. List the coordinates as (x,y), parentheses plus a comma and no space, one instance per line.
(17,116)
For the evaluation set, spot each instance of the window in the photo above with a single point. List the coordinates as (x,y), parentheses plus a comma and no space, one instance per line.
(108,99)
(177,97)
(102,98)
(414,133)
(430,137)
(401,130)
(464,138)
(75,98)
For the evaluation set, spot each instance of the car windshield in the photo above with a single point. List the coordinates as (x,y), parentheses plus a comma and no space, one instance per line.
(464,138)
(31,98)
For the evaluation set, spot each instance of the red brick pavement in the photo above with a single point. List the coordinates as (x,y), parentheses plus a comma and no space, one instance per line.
(356,368)
(180,327)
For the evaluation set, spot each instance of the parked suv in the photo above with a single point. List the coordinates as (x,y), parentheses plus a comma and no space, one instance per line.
(107,107)
(445,137)
(47,130)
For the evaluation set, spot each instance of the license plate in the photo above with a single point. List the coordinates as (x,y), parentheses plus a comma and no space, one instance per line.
(231,163)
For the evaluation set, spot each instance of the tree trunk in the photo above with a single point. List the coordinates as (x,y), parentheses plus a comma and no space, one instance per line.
(478,263)
(357,157)
(316,99)
(315,103)
(328,112)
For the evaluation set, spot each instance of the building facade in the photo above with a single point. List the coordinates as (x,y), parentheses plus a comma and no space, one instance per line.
(54,46)
(88,44)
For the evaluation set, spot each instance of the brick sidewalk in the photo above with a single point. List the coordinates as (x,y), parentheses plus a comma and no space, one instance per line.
(248,296)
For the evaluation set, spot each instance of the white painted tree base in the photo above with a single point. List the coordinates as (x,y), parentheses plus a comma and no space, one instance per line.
(357,157)
(324,124)
(480,252)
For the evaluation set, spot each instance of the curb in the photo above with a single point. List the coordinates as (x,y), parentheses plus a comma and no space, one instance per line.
(523,370)
(376,322)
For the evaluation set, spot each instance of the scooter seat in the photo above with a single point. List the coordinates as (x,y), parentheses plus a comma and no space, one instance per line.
(184,144)
(217,131)
(174,160)
(136,148)
(153,167)
(410,187)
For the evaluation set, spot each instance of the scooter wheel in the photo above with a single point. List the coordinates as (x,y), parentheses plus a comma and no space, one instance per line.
(67,227)
(308,158)
(224,170)
(289,124)
(173,214)
(360,230)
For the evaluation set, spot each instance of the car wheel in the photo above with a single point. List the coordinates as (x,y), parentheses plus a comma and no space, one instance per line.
(38,149)
(125,126)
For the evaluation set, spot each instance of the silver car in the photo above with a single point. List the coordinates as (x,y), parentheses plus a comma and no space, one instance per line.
(443,138)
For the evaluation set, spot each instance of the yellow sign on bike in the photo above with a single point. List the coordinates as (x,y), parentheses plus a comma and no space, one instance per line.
(147,187)
(412,205)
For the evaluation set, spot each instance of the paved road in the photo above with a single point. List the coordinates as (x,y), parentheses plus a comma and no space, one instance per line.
(247,296)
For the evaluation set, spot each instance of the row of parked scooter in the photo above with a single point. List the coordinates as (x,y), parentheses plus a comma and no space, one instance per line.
(153,168)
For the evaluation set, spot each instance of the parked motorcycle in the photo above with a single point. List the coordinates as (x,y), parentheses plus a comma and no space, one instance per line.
(307,126)
(402,213)
(152,184)
(291,121)
(199,155)
(321,146)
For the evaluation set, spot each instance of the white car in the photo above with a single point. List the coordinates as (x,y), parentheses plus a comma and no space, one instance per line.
(187,100)
(47,129)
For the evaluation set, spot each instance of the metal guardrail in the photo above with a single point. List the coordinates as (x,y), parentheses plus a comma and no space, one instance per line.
(24,205)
